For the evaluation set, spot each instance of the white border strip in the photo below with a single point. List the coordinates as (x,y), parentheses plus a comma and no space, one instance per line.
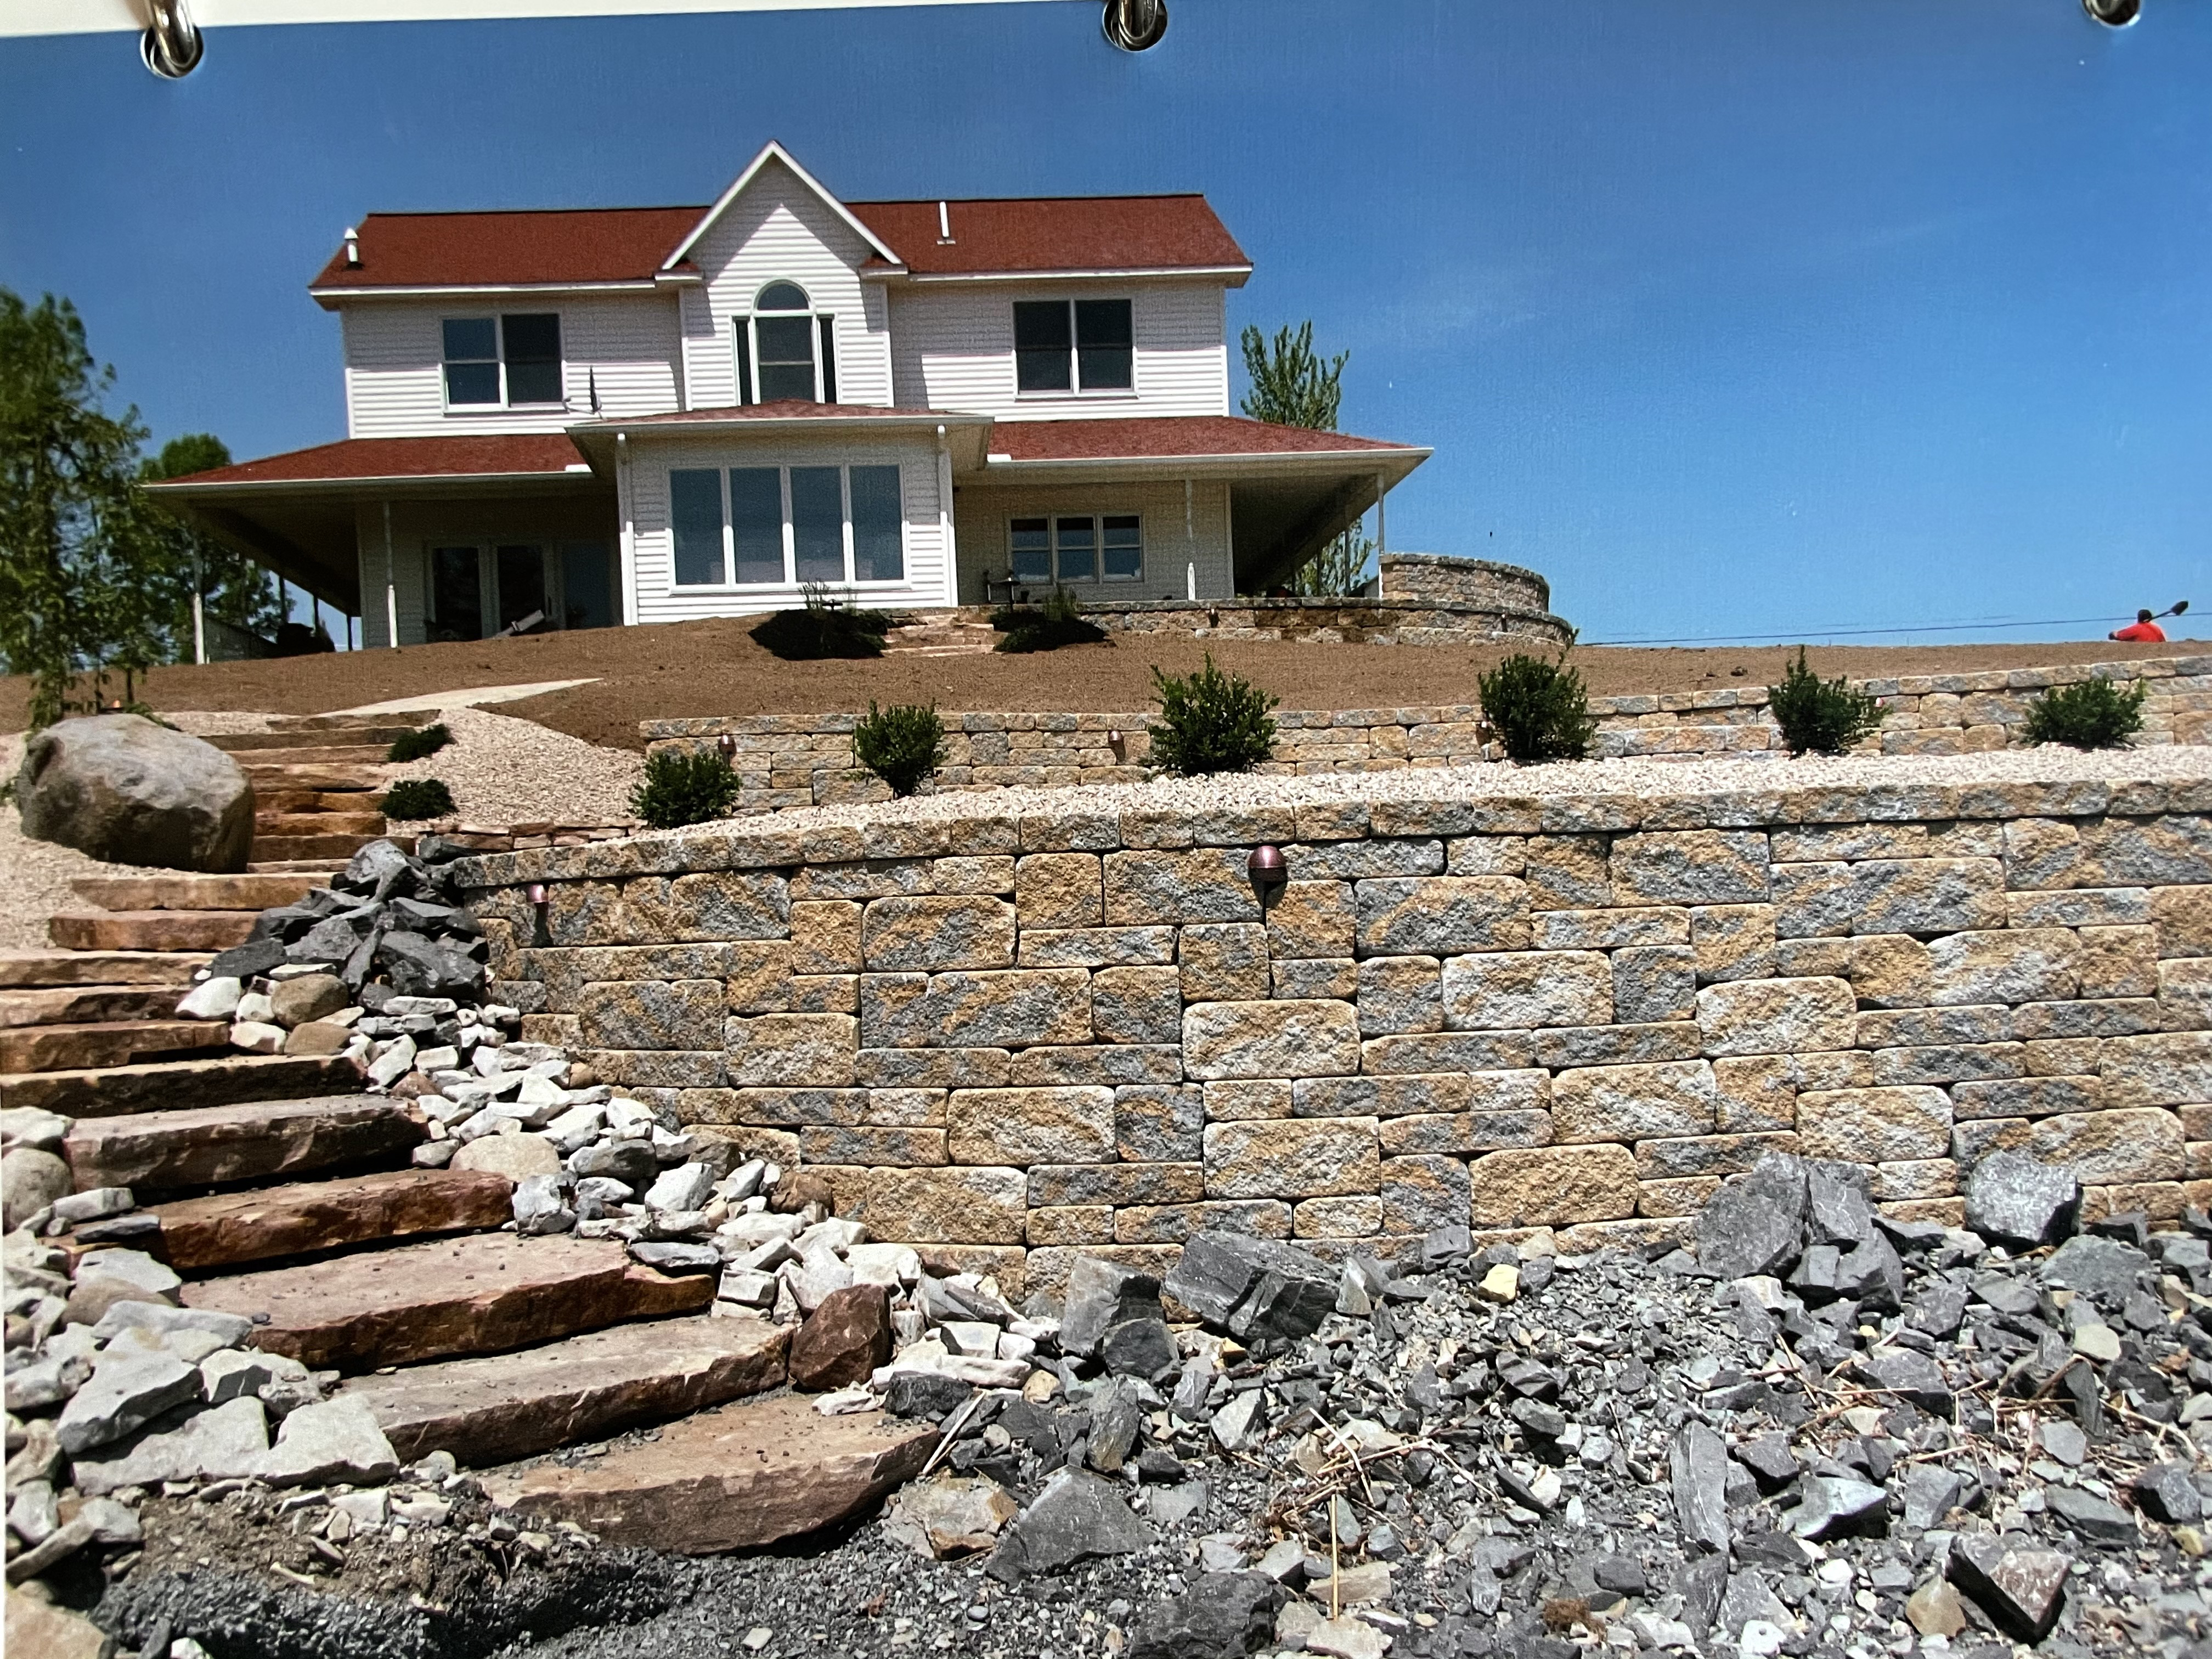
(25,17)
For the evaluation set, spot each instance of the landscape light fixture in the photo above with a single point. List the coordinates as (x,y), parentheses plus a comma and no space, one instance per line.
(540,902)
(726,747)
(1138,25)
(2113,14)
(1268,872)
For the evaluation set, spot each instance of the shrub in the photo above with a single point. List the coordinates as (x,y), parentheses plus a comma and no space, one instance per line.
(682,787)
(418,746)
(2088,714)
(1058,621)
(1539,709)
(1210,722)
(824,628)
(1826,716)
(412,800)
(902,745)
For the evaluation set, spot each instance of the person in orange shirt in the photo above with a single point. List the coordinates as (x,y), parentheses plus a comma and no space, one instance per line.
(2143,631)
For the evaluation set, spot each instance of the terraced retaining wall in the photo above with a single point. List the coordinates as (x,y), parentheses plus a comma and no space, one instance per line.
(806,759)
(998,1034)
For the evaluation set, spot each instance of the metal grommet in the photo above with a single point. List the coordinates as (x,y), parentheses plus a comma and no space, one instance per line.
(172,44)
(1136,25)
(2112,14)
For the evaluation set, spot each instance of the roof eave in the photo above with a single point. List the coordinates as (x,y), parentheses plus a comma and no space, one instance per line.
(1401,460)
(385,482)
(1230,275)
(328,295)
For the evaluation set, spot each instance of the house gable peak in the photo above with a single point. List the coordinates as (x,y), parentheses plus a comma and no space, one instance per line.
(773,151)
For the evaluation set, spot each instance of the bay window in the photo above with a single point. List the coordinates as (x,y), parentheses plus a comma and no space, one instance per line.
(783,525)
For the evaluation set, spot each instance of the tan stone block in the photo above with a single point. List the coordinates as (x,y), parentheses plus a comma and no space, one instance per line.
(2175,850)
(1776,1015)
(760,977)
(1004,1266)
(1514,990)
(791,1051)
(2114,1145)
(1547,1186)
(1030,1126)
(2119,962)
(1841,1069)
(945,1206)
(1004,1008)
(783,1108)
(1222,1040)
(1223,961)
(1812,958)
(1947,1063)
(825,937)
(862,878)
(1417,1095)
(1486,855)
(1052,1184)
(1160,1123)
(1430,915)
(1654,983)
(1733,941)
(1943,1211)
(1292,1158)
(1047,1269)
(1443,1132)
(1890,971)
(1172,1223)
(724,904)
(1060,889)
(2026,964)
(1889,896)
(1071,1224)
(1691,866)
(1400,994)
(825,993)
(920,935)
(1928,1178)
(588,913)
(2081,907)
(1606,930)
(870,1147)
(1683,1195)
(2042,854)
(1315,976)
(1449,1051)
(1209,883)
(2064,1057)
(686,1013)
(932,1068)
(1242,1101)
(1641,1234)
(1136,1004)
(1337,1217)
(1097,947)
(1634,1103)
(2173,1068)
(1567,873)
(777,1146)
(2027,1097)
(1312,919)
(1818,843)
(904,1109)
(987,872)
(1755,1093)
(1707,1155)
(1897,1028)
(1874,1126)
(2183,917)
(2156,1200)
(1419,1193)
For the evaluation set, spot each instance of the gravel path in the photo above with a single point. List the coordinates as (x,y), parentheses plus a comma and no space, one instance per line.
(503,771)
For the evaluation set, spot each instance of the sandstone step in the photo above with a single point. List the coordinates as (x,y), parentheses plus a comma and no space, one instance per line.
(327,754)
(179,890)
(735,1478)
(209,1146)
(225,1229)
(410,719)
(318,847)
(178,1084)
(240,743)
(496,1409)
(103,968)
(478,1294)
(323,869)
(71,1005)
(308,800)
(149,930)
(322,779)
(268,826)
(114,1042)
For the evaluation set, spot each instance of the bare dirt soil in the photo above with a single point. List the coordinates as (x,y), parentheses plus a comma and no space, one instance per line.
(706,668)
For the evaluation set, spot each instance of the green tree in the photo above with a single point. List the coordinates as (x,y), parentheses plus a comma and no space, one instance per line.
(1292,385)
(233,587)
(83,585)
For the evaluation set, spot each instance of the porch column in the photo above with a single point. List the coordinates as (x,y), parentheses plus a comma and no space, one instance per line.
(947,537)
(628,530)
(390,586)
(1381,530)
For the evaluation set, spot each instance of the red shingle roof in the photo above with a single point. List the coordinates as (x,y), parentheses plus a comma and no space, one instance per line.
(504,454)
(616,244)
(1167,436)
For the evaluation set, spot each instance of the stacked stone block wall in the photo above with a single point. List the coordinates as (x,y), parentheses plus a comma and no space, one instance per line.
(1003,1037)
(1463,581)
(806,759)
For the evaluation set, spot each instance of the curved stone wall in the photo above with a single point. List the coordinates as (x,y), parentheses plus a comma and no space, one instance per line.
(1483,584)
(1004,1037)
(1412,619)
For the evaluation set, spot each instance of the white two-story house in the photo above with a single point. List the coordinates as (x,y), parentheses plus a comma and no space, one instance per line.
(645,415)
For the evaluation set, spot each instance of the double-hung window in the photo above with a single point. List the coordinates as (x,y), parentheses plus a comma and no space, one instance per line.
(504,362)
(786,350)
(1073,346)
(1067,547)
(764,525)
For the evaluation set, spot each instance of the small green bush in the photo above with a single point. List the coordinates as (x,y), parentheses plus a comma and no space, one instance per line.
(902,745)
(2088,714)
(824,628)
(412,800)
(1825,716)
(418,746)
(1210,722)
(1539,709)
(1058,621)
(684,786)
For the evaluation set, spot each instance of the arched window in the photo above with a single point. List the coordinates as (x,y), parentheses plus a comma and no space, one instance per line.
(785,348)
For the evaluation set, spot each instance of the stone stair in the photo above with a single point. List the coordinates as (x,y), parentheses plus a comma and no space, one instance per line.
(316,780)
(953,635)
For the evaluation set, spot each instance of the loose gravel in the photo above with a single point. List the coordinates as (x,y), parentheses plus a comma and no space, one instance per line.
(504,771)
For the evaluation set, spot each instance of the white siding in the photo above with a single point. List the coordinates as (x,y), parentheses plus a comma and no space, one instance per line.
(1173,539)
(658,598)
(624,344)
(779,229)
(953,348)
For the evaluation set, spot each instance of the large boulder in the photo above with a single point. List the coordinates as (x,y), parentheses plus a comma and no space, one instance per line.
(127,791)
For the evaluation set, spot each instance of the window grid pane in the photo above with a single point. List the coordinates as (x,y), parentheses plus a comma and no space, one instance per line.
(1121,557)
(1043,342)
(1029,544)
(877,554)
(757,522)
(471,383)
(787,358)
(1103,344)
(456,593)
(1078,541)
(694,517)
(818,524)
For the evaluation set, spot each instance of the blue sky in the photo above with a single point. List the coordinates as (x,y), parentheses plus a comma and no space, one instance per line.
(1745,319)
